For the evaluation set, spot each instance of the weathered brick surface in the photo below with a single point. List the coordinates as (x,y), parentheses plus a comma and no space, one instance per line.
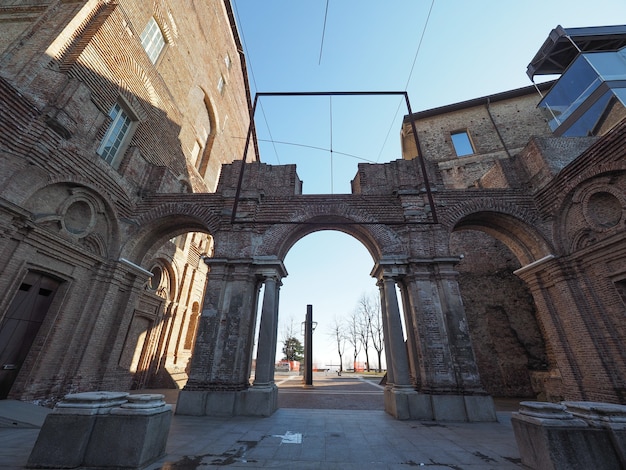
(66,212)
(556,207)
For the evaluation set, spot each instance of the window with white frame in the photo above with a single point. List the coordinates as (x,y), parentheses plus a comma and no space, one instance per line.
(116,135)
(462,143)
(152,40)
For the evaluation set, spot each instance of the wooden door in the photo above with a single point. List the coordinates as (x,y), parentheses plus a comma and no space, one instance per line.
(21,325)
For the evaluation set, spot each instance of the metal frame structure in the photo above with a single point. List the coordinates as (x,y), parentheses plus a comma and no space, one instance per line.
(251,131)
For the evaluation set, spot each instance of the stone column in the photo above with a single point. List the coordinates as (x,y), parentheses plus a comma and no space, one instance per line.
(401,399)
(383,311)
(397,346)
(266,348)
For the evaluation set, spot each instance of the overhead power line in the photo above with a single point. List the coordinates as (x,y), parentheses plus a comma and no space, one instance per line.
(406,87)
(251,69)
(313,147)
(323,33)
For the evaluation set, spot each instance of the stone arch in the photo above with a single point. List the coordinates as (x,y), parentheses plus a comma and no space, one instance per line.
(509,343)
(164,222)
(511,225)
(379,240)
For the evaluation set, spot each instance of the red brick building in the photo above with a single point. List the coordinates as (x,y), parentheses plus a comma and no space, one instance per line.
(102,104)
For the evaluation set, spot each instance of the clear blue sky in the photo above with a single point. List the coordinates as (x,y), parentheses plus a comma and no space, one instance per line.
(468,49)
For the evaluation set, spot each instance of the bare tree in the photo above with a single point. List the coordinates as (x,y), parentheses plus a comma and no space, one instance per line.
(354,335)
(366,314)
(337,332)
(289,329)
(376,332)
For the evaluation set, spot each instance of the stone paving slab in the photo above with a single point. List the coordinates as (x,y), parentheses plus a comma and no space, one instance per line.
(346,439)
(307,438)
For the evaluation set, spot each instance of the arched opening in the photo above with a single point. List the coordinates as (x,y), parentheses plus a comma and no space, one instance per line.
(159,343)
(508,342)
(330,270)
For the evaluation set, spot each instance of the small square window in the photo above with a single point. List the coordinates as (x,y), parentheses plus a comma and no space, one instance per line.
(462,143)
(116,134)
(152,40)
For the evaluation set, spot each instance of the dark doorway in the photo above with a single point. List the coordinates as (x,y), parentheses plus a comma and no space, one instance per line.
(21,324)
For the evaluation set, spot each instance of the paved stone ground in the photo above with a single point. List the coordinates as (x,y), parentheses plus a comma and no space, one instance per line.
(348,392)
(338,424)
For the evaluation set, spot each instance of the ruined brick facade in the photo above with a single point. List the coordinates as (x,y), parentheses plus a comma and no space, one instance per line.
(67,213)
(512,282)
(551,332)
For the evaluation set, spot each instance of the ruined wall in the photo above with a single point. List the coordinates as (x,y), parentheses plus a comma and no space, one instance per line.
(501,314)
(499,127)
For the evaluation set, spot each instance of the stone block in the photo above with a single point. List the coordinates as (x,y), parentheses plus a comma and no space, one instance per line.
(608,416)
(449,408)
(397,402)
(191,403)
(258,401)
(103,430)
(65,434)
(62,441)
(132,435)
(480,408)
(550,438)
(420,407)
(221,403)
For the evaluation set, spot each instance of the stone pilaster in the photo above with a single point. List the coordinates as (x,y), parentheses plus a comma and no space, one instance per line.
(221,361)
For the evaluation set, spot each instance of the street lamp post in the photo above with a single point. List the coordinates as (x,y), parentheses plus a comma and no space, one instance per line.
(309,326)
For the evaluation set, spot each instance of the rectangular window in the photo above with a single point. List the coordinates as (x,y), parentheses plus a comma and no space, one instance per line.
(462,143)
(152,40)
(621,289)
(220,85)
(116,134)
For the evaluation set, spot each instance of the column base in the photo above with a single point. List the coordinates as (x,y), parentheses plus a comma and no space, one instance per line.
(409,404)
(254,401)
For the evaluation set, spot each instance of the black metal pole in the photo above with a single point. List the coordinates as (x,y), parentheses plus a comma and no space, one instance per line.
(308,347)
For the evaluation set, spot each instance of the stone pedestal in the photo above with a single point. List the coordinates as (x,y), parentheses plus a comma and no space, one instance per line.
(551,438)
(131,435)
(254,401)
(607,416)
(103,430)
(410,404)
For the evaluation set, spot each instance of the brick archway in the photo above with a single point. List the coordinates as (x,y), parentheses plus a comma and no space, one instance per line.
(432,373)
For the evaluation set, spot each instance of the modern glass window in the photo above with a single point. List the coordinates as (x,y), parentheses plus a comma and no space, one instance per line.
(116,134)
(462,143)
(152,40)
(578,103)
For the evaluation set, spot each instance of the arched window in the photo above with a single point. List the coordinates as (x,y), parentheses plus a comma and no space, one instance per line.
(152,40)
(193,324)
